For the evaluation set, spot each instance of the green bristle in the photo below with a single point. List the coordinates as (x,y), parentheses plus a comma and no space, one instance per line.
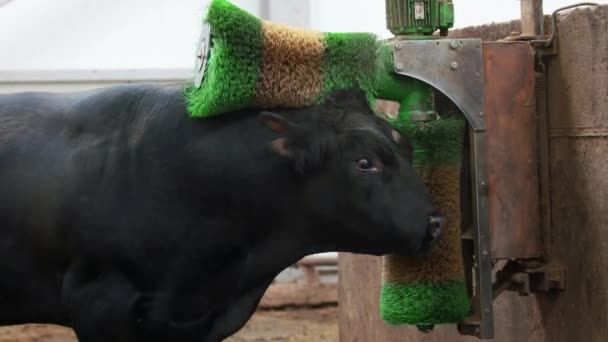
(424,303)
(233,69)
(436,143)
(349,61)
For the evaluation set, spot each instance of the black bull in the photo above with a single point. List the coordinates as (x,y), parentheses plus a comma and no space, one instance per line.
(127,220)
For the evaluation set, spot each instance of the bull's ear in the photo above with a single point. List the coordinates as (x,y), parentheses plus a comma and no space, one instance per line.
(279,124)
(275,122)
(279,146)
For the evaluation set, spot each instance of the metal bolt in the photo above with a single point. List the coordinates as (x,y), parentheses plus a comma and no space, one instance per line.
(483,187)
(398,46)
(519,278)
(477,44)
(480,113)
(425,328)
(454,65)
(454,44)
(400,66)
(477,75)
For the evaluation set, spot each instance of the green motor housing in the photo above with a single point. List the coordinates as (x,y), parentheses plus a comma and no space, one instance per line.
(414,20)
(419,17)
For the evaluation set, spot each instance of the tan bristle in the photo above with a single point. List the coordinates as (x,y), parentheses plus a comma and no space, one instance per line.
(292,66)
(446,263)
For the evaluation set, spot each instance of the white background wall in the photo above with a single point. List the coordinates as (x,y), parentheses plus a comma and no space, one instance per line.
(368,15)
(161,34)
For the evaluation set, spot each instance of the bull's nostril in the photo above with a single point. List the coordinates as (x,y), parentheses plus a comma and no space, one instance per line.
(435,226)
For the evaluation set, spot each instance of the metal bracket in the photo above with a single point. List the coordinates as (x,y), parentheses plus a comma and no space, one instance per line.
(519,277)
(452,66)
(202,55)
(481,321)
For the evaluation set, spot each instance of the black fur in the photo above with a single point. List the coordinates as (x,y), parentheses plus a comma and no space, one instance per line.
(122,217)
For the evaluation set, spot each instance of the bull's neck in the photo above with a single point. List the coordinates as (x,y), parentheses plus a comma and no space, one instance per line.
(235,167)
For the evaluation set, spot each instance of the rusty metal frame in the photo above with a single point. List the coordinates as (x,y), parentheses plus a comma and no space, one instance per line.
(493,84)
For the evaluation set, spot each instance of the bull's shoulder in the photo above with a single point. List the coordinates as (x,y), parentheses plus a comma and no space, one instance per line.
(125,99)
(109,100)
(24,108)
(95,112)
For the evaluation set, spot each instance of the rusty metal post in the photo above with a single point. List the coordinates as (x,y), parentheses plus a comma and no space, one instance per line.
(532,18)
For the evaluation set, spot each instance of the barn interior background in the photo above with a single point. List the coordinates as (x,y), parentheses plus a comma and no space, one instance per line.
(83,44)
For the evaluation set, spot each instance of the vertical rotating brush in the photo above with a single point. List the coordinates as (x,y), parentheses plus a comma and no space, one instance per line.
(430,291)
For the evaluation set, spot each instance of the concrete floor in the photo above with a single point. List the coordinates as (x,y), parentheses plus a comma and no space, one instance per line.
(297,325)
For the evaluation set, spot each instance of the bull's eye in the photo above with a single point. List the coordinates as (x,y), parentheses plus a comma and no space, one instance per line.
(365,165)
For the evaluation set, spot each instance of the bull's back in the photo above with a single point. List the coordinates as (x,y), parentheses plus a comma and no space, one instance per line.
(29,283)
(36,172)
(52,146)
(56,148)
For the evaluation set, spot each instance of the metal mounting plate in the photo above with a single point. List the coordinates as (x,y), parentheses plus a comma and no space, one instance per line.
(202,55)
(452,66)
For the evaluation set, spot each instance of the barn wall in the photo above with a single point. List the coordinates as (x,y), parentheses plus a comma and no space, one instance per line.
(578,147)
(577,91)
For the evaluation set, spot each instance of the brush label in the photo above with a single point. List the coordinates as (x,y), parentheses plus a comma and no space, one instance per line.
(419,10)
